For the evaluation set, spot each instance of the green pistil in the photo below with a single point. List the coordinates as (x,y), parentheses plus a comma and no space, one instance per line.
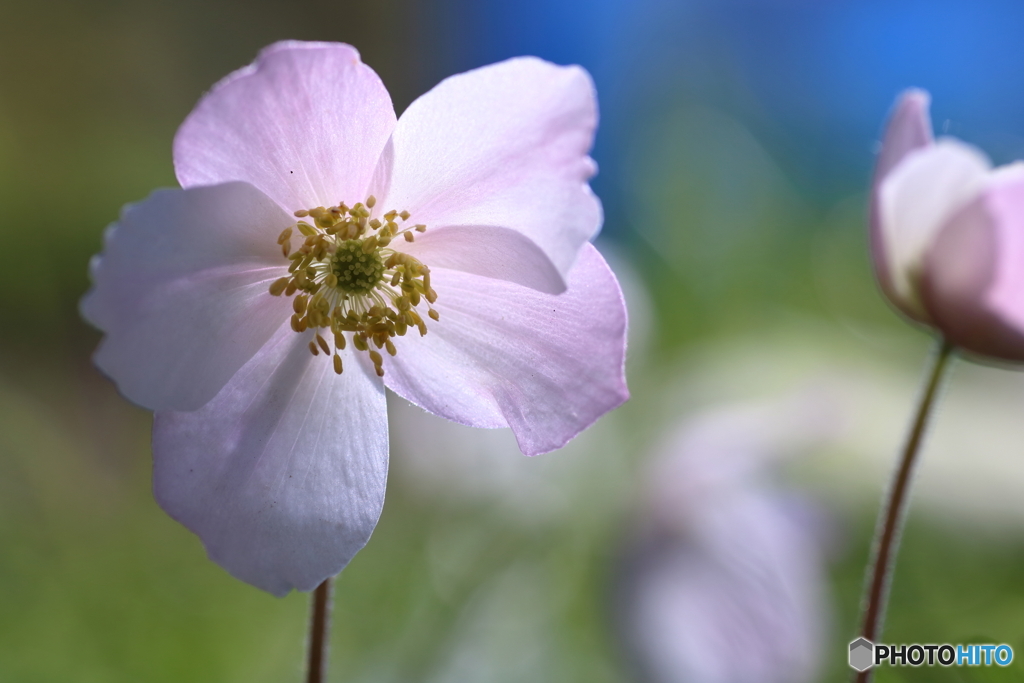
(357,271)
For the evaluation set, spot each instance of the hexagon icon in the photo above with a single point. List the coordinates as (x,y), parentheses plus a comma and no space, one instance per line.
(862,654)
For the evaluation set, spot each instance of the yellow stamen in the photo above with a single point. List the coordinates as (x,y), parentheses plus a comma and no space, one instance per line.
(348,279)
(323,344)
(278,286)
(378,363)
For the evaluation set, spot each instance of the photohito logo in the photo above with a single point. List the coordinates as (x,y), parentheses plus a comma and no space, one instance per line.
(864,654)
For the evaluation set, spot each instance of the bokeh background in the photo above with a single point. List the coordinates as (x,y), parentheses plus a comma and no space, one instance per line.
(735,148)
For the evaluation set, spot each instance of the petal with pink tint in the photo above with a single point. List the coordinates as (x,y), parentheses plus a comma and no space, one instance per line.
(282,474)
(506,355)
(915,201)
(490,251)
(974,280)
(305,123)
(909,128)
(181,292)
(504,145)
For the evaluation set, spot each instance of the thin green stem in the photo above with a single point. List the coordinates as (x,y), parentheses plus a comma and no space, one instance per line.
(893,514)
(318,630)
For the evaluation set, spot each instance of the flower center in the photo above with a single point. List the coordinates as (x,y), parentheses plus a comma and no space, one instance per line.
(357,271)
(346,279)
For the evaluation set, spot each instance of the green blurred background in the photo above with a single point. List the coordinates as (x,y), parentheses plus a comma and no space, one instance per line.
(735,148)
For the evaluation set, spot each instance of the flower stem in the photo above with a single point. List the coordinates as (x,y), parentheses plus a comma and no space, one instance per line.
(318,630)
(893,514)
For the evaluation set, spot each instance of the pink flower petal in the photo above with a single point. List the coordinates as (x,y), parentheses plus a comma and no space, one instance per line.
(282,474)
(909,128)
(505,145)
(506,355)
(914,202)
(181,292)
(489,251)
(305,123)
(974,280)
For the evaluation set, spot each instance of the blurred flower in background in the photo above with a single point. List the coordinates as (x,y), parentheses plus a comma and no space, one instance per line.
(722,580)
(948,234)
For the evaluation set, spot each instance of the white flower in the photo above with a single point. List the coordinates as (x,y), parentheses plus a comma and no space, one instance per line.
(445,255)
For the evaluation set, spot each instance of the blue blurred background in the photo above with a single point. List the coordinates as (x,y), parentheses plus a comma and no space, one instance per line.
(736,144)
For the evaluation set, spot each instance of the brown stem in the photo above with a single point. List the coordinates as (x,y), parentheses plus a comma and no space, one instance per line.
(892,516)
(318,630)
